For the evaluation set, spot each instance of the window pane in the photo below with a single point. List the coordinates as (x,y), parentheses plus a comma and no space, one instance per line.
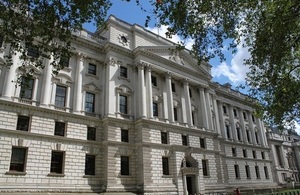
(123,71)
(155,109)
(89,102)
(60,128)
(202,143)
(124,165)
(26,88)
(205,167)
(91,133)
(164,137)
(123,104)
(124,135)
(18,157)
(89,165)
(175,114)
(60,96)
(184,140)
(92,69)
(23,123)
(165,164)
(57,162)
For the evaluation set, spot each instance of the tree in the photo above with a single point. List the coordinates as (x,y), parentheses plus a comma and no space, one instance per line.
(271,31)
(45,27)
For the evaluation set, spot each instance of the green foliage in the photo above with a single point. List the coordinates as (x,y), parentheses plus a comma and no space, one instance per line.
(47,25)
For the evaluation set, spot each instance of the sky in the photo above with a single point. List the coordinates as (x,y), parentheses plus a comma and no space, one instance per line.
(230,71)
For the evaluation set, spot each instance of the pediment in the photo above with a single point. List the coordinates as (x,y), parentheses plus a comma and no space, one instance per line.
(91,87)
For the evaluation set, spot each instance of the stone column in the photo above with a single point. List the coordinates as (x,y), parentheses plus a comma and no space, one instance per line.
(222,122)
(10,79)
(232,122)
(188,103)
(169,97)
(209,114)
(243,129)
(46,85)
(254,141)
(78,84)
(34,91)
(142,91)
(53,94)
(68,97)
(149,92)
(197,184)
(111,95)
(203,108)
(217,120)
(261,131)
(185,192)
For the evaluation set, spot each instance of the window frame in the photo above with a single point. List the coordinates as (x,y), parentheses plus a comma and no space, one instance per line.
(22,162)
(175,113)
(155,109)
(91,133)
(27,125)
(234,153)
(205,168)
(153,81)
(237,171)
(245,155)
(173,87)
(27,87)
(202,143)
(185,140)
(89,106)
(248,174)
(165,165)
(123,72)
(257,173)
(125,135)
(64,61)
(266,171)
(90,164)
(125,165)
(92,71)
(164,137)
(60,132)
(59,97)
(60,168)
(123,107)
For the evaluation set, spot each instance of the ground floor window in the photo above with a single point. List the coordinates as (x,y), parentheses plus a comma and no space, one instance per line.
(57,159)
(124,165)
(18,159)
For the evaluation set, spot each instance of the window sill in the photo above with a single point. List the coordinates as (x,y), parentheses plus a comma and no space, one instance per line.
(92,75)
(123,78)
(56,175)
(15,173)
(206,176)
(89,176)
(167,176)
(125,176)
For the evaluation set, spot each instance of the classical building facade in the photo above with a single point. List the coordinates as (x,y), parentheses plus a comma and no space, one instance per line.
(128,113)
(285,155)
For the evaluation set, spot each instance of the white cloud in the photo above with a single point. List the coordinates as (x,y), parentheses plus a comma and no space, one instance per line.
(236,70)
(297,128)
(175,38)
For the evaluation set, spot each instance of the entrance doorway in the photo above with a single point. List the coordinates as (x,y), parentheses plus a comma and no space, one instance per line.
(190,182)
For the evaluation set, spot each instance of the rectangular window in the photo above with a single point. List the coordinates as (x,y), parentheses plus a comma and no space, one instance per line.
(278,154)
(193,118)
(175,114)
(164,137)
(234,112)
(32,51)
(254,153)
(124,165)
(89,102)
(238,132)
(253,118)
(18,159)
(257,172)
(26,88)
(23,123)
(248,136)
(184,140)
(57,159)
(165,165)
(247,171)
(224,109)
(202,143)
(155,109)
(124,135)
(266,172)
(64,61)
(123,104)
(123,71)
(92,69)
(237,171)
(245,115)
(154,81)
(245,153)
(60,96)
(91,133)
(256,137)
(233,151)
(59,128)
(173,87)
(89,164)
(205,167)
(263,155)
(228,131)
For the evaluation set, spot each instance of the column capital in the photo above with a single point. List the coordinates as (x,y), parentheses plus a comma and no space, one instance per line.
(168,74)
(185,81)
(81,56)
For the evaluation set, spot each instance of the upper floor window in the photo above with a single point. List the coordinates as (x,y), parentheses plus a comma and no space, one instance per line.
(124,135)
(237,171)
(26,88)
(60,96)
(184,140)
(18,159)
(123,72)
(245,153)
(92,69)
(91,133)
(90,164)
(57,162)
(266,172)
(247,168)
(173,87)
(155,109)
(224,109)
(190,92)
(205,167)
(32,51)
(245,115)
(59,128)
(89,102)
(202,143)
(263,155)
(254,153)
(175,114)
(164,137)
(124,165)
(257,172)
(165,165)
(235,112)
(234,152)
(123,104)
(23,123)
(228,131)
(154,81)
(253,118)
(64,61)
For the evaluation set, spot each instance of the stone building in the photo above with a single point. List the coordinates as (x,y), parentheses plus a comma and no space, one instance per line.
(128,113)
(285,155)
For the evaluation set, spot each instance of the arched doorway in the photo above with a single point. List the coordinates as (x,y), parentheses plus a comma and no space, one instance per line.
(189,169)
